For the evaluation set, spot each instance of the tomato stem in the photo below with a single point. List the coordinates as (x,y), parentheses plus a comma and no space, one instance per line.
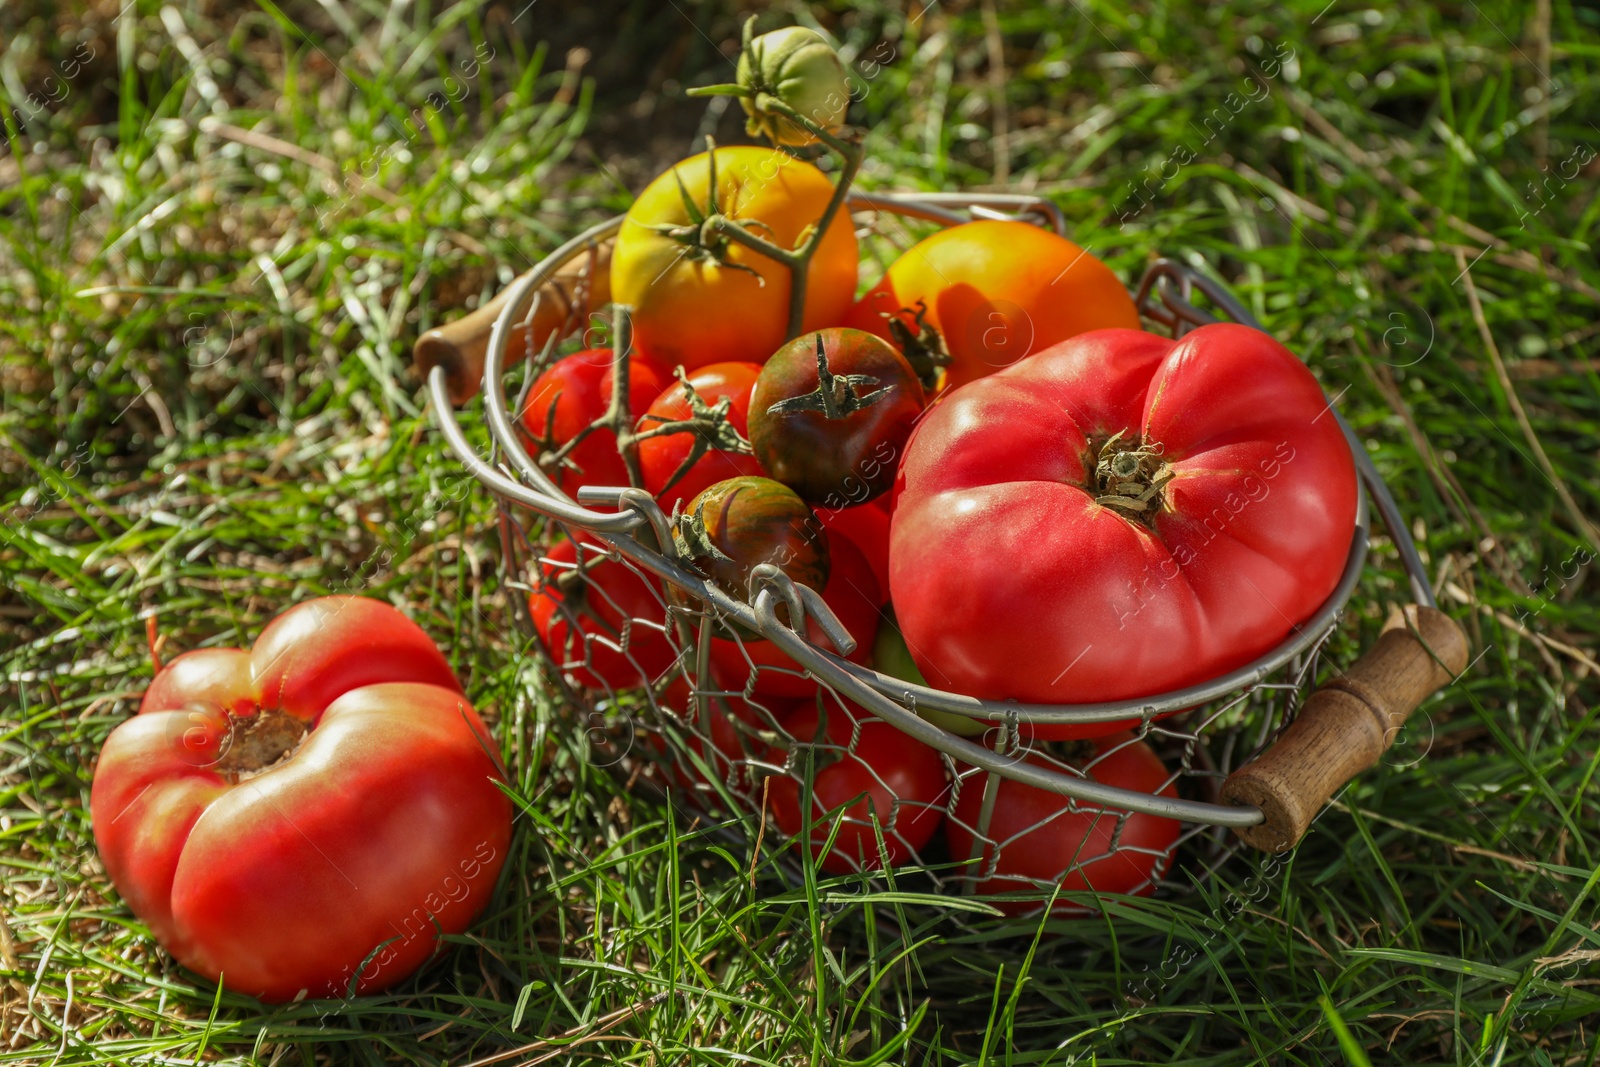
(1128,477)
(619,416)
(835,395)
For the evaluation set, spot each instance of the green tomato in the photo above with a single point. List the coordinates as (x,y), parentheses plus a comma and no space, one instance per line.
(800,68)
(890,656)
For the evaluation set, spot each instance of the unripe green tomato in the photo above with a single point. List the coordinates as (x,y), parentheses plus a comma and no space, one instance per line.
(890,656)
(799,67)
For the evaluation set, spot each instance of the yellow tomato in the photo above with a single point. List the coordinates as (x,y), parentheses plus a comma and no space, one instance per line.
(696,306)
(995,291)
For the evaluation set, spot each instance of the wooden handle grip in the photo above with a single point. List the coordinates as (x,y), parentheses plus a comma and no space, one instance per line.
(460,346)
(1347,725)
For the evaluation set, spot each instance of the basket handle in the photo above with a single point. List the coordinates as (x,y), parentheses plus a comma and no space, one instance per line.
(1347,725)
(459,346)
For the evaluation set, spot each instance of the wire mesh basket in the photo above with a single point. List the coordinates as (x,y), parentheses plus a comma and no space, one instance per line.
(761,706)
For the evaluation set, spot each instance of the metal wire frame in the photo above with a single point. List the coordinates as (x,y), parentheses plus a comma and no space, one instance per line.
(1165,296)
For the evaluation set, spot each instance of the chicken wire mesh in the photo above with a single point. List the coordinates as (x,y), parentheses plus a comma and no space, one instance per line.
(707,699)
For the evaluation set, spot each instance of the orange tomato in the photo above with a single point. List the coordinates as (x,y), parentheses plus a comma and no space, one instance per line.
(995,291)
(692,305)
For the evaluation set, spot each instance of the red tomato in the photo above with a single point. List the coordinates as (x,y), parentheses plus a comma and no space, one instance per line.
(662,457)
(867,767)
(606,626)
(309,814)
(1036,554)
(731,744)
(1042,842)
(993,291)
(867,527)
(852,593)
(569,396)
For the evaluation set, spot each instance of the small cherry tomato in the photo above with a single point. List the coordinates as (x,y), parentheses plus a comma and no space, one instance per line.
(869,769)
(710,410)
(569,396)
(602,623)
(1042,840)
(984,294)
(831,413)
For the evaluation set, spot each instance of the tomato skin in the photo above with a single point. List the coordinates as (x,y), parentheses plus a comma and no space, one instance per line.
(584,621)
(852,593)
(753,520)
(660,457)
(1039,837)
(693,310)
(384,820)
(845,459)
(903,781)
(867,527)
(573,392)
(996,291)
(1249,538)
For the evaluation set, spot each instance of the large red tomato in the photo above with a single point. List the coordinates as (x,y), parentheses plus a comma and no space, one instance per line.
(309,814)
(1043,841)
(604,625)
(760,667)
(663,455)
(568,397)
(696,302)
(993,291)
(1120,516)
(870,769)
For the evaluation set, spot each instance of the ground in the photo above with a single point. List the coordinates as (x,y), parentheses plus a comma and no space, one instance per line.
(222,226)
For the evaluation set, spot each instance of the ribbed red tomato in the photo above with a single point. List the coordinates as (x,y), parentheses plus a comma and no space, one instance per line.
(307,815)
(603,624)
(1042,841)
(870,769)
(568,397)
(1119,516)
(662,457)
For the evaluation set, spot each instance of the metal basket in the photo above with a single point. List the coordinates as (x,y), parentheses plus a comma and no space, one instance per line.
(676,733)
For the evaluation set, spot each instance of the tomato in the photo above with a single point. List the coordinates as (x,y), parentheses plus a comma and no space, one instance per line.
(867,527)
(760,668)
(1119,516)
(694,304)
(309,814)
(1042,841)
(831,413)
(890,656)
(603,624)
(867,767)
(568,397)
(993,291)
(663,456)
(734,723)
(739,524)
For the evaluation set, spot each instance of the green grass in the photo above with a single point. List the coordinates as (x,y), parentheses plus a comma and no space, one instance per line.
(208,415)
